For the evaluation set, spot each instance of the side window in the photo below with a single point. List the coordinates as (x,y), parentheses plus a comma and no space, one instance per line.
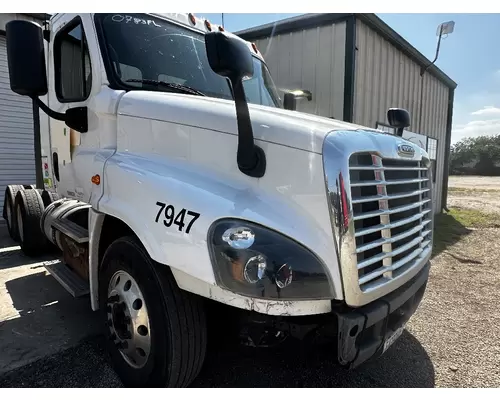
(73,74)
(384,127)
(432,151)
(256,92)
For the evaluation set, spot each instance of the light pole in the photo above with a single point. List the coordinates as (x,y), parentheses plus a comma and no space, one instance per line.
(443,29)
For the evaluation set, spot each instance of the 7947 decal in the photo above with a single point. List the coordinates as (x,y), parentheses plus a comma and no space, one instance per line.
(167,214)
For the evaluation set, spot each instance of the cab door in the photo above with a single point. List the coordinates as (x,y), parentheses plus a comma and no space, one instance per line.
(73,81)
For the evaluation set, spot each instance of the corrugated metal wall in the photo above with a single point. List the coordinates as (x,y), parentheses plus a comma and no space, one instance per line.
(311,59)
(17,154)
(385,77)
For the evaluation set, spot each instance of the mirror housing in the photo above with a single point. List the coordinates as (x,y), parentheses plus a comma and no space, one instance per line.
(290,98)
(399,119)
(26,58)
(28,73)
(230,57)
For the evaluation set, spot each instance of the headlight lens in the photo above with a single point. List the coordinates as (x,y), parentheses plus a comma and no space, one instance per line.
(255,261)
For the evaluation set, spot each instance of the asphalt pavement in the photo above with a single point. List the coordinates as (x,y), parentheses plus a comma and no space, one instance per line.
(406,364)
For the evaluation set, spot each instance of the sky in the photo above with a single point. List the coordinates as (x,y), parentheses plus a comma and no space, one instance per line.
(470,56)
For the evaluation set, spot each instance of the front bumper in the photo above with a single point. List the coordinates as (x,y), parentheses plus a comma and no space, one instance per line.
(362,332)
(356,334)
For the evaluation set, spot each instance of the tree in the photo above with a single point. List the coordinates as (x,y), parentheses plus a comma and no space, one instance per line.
(479,156)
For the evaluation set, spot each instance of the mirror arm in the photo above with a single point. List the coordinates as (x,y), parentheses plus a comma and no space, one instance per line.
(250,157)
(48,111)
(75,118)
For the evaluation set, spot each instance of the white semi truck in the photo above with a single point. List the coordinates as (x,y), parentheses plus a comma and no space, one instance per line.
(184,180)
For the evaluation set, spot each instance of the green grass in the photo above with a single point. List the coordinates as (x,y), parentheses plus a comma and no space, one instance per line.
(450,227)
(472,190)
(472,218)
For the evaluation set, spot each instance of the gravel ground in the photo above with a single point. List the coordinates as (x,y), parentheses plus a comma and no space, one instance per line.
(452,341)
(474,182)
(478,192)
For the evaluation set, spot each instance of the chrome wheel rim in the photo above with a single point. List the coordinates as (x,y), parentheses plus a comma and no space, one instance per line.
(20,227)
(128,319)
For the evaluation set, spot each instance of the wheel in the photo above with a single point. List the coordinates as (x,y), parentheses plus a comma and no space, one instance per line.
(156,332)
(49,197)
(29,209)
(8,210)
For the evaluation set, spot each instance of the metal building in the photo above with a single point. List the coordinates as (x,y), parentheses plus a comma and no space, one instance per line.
(357,67)
(17,156)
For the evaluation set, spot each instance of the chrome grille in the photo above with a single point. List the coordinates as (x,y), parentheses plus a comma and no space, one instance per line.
(392,213)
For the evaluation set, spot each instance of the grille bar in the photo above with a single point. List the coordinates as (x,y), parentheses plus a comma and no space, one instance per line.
(393,253)
(371,168)
(387,182)
(377,228)
(378,213)
(381,271)
(358,200)
(396,238)
(391,203)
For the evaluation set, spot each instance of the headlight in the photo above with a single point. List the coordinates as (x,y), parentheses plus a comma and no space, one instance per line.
(255,261)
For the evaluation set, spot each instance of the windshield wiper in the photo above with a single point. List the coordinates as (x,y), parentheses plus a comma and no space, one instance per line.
(170,85)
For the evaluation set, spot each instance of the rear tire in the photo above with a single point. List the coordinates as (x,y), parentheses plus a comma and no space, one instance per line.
(49,197)
(177,339)
(29,209)
(9,213)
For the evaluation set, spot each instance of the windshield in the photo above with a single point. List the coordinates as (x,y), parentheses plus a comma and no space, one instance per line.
(142,48)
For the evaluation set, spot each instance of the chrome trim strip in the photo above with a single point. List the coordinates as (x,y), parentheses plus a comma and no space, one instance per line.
(357,200)
(390,211)
(393,239)
(385,182)
(337,150)
(401,222)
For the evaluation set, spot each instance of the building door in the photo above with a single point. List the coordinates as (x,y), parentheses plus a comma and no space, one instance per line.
(17,154)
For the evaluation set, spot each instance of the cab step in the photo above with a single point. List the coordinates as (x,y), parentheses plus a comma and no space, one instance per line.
(72,230)
(73,283)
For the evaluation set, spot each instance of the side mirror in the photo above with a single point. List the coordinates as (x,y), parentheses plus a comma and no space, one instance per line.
(399,119)
(230,57)
(26,58)
(27,72)
(290,98)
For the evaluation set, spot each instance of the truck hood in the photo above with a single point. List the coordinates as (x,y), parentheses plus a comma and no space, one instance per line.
(289,128)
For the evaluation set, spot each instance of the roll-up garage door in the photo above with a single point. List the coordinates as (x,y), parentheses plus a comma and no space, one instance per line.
(17,155)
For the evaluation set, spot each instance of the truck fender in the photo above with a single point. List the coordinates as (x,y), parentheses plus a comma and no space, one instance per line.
(138,191)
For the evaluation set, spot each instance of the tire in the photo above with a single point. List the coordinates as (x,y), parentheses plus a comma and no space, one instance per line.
(8,210)
(177,322)
(49,197)
(29,209)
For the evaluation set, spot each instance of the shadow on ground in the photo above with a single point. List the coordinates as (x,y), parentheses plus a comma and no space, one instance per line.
(41,320)
(406,364)
(447,231)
